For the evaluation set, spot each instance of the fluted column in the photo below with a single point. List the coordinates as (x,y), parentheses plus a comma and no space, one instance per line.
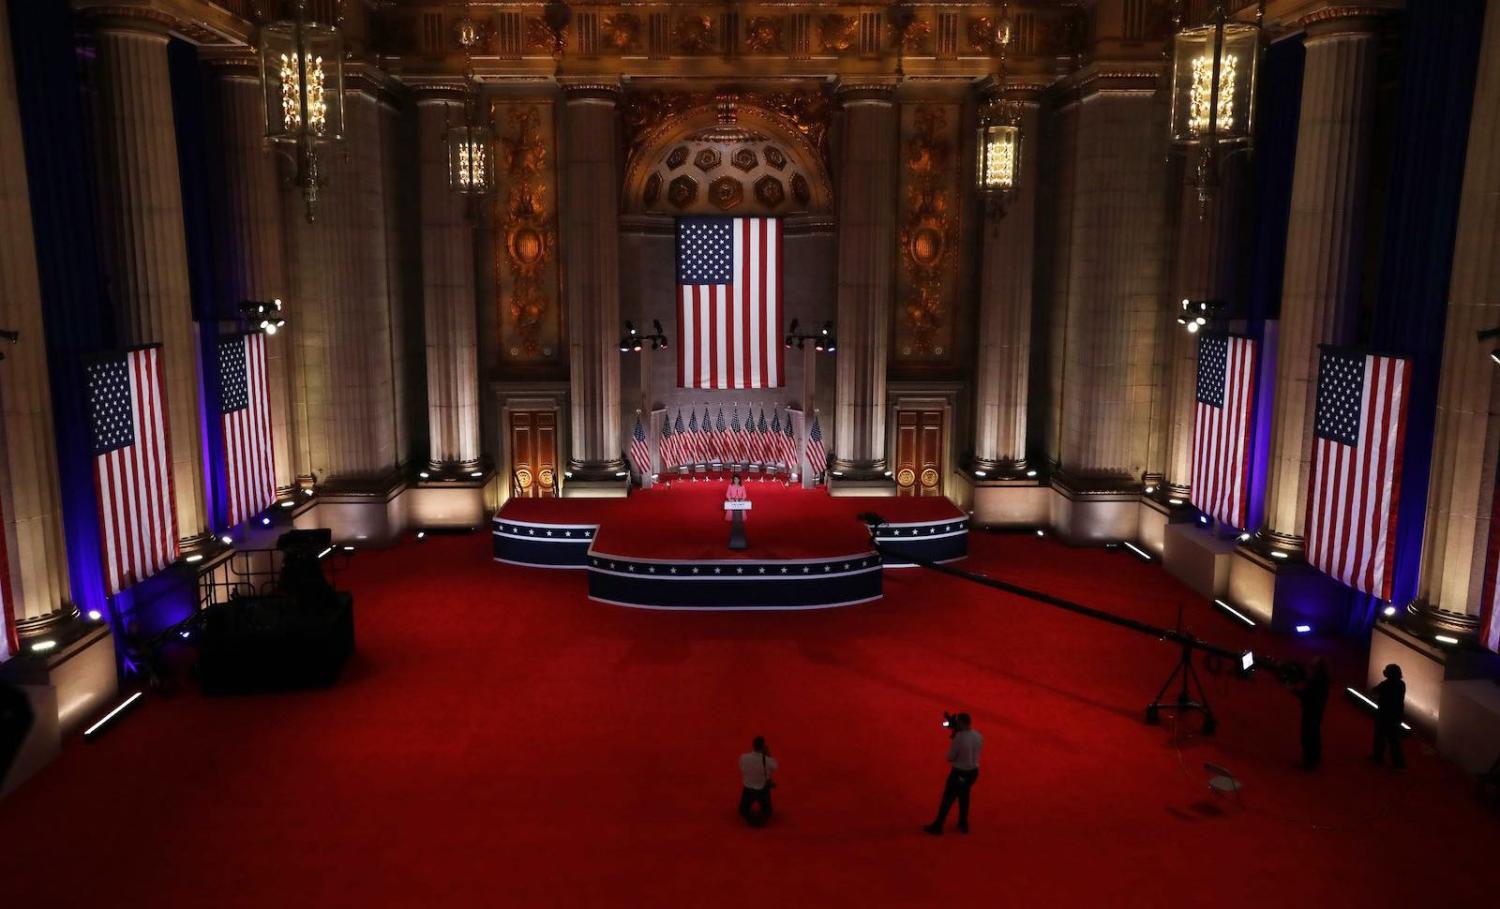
(29,497)
(1467,432)
(343,397)
(591,255)
(1325,245)
(1205,271)
(447,291)
(1117,284)
(867,245)
(145,246)
(255,265)
(1001,385)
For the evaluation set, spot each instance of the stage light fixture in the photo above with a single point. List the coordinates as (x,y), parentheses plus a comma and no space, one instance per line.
(1445,639)
(1278,554)
(266,522)
(1304,629)
(1040,532)
(981,473)
(227,540)
(1365,700)
(421,534)
(823,338)
(424,475)
(95,615)
(286,503)
(195,557)
(1235,612)
(348,548)
(325,552)
(1495,355)
(1244,538)
(44,646)
(89,733)
(1031,473)
(1388,611)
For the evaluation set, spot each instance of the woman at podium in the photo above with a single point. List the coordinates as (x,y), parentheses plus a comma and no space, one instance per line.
(735,493)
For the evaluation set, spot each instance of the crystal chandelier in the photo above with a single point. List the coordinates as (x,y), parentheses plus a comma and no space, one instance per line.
(302,83)
(1213,90)
(997,151)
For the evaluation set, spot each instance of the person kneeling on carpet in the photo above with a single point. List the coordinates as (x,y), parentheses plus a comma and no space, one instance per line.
(756,769)
(963,756)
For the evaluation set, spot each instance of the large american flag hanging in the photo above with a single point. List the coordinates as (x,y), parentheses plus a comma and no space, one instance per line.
(1221,427)
(1359,429)
(132,466)
(729,303)
(246,420)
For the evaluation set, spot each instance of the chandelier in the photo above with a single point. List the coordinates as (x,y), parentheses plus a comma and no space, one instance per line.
(997,150)
(302,83)
(1213,91)
(470,144)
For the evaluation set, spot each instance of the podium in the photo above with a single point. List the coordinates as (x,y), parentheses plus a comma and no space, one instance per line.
(737,524)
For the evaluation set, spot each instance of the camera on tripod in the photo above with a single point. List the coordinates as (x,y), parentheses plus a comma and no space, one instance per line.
(951,722)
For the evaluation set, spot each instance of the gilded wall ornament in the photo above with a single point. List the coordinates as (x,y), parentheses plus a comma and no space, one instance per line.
(763,35)
(682,191)
(917,37)
(695,34)
(744,159)
(621,32)
(726,193)
(528,237)
(837,33)
(769,192)
(929,235)
(984,36)
(544,37)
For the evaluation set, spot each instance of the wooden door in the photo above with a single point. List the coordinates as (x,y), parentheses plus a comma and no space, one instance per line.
(533,453)
(919,453)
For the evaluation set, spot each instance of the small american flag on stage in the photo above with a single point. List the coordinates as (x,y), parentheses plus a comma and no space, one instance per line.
(817,456)
(729,303)
(720,438)
(788,441)
(132,466)
(1221,427)
(247,425)
(1358,431)
(640,452)
(764,445)
(695,440)
(736,437)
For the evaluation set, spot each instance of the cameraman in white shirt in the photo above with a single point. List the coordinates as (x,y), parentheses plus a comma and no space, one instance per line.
(963,756)
(756,769)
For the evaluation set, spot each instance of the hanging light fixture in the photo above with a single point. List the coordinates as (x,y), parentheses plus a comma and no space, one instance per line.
(997,165)
(302,84)
(1213,90)
(471,143)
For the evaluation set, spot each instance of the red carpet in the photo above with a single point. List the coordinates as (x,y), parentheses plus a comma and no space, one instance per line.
(501,741)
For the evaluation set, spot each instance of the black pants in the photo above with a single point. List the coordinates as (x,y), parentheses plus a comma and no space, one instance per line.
(1312,739)
(1388,732)
(749,798)
(957,789)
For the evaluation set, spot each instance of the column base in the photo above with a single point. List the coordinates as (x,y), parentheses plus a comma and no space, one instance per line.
(1286,593)
(859,471)
(1084,513)
(596,480)
(1429,671)
(452,504)
(370,513)
(861,486)
(1198,558)
(79,668)
(1157,515)
(1016,503)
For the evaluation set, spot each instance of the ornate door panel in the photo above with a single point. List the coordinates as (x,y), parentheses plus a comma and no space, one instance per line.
(919,453)
(533,453)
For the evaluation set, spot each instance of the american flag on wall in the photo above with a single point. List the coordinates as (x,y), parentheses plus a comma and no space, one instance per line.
(1221,427)
(1359,430)
(246,411)
(729,303)
(817,455)
(132,466)
(9,644)
(640,452)
(1489,609)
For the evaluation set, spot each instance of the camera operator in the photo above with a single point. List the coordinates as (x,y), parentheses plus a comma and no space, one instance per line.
(756,769)
(1311,689)
(963,756)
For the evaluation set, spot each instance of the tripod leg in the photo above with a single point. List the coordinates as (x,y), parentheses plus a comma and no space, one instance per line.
(1209,723)
(1152,709)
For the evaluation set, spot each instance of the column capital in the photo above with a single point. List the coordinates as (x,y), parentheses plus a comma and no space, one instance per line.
(138,20)
(1343,19)
(231,63)
(437,91)
(1026,93)
(866,91)
(591,90)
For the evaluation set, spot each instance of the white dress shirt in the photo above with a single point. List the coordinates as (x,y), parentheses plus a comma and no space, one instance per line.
(755,771)
(963,752)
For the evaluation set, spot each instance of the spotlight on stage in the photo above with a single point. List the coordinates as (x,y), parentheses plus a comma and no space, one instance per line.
(1197,314)
(262,314)
(98,728)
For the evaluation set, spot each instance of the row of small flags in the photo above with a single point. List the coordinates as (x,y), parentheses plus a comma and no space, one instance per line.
(717,440)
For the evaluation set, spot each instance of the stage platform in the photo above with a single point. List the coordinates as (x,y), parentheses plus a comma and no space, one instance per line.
(667,547)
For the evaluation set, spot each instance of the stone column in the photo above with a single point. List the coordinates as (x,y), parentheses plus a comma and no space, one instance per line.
(1205,271)
(1325,246)
(447,291)
(29,496)
(1005,304)
(591,257)
(1116,285)
(867,251)
(255,266)
(145,246)
(1467,434)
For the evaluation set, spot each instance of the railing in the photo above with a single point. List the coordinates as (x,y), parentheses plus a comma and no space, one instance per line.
(257,572)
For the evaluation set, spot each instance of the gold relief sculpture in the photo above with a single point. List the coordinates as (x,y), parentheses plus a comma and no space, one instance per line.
(763,35)
(528,236)
(984,36)
(621,32)
(807,113)
(929,236)
(837,32)
(695,34)
(541,36)
(917,37)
